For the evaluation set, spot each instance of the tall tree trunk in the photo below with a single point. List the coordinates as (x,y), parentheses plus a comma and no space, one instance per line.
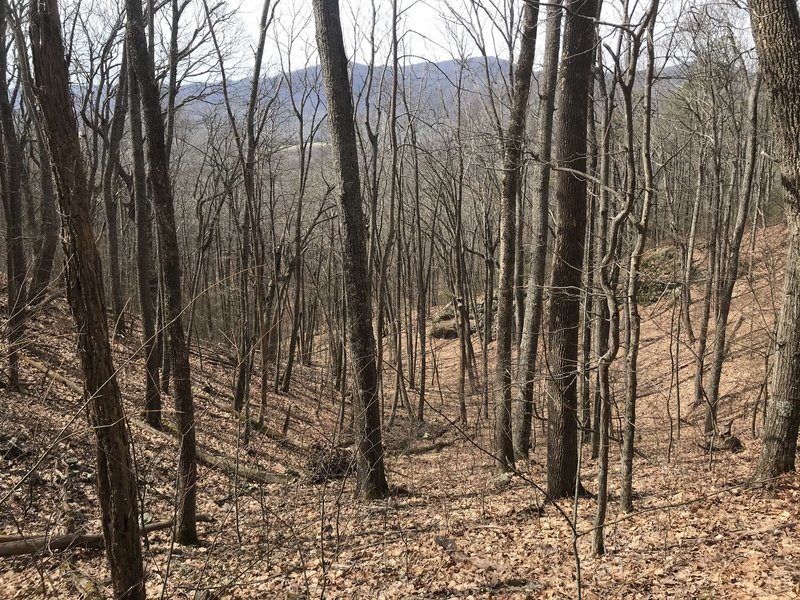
(732,270)
(12,204)
(776,29)
(601,319)
(186,493)
(540,222)
(116,478)
(686,288)
(47,241)
(371,477)
(565,279)
(608,282)
(512,167)
(45,257)
(634,319)
(147,277)
(115,133)
(700,396)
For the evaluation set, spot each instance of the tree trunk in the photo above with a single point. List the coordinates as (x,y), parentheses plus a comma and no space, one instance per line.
(601,319)
(514,145)
(12,203)
(116,478)
(634,319)
(147,278)
(565,279)
(686,288)
(700,396)
(732,270)
(608,282)
(43,267)
(186,493)
(776,29)
(47,241)
(371,478)
(540,222)
(115,133)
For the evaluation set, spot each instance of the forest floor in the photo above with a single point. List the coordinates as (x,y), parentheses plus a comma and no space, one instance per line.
(451,529)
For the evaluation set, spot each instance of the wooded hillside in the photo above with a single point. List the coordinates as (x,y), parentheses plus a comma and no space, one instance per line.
(347,308)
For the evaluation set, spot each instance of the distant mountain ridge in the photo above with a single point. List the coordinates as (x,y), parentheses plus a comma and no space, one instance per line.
(427,82)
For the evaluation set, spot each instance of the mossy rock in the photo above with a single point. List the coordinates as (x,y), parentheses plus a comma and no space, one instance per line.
(445,330)
(446,313)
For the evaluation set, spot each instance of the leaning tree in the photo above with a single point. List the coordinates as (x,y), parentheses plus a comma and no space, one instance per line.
(116,478)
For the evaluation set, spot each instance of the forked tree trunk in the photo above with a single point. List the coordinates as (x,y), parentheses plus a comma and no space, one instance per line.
(116,478)
(532,322)
(776,29)
(371,477)
(634,319)
(608,283)
(600,317)
(513,146)
(565,279)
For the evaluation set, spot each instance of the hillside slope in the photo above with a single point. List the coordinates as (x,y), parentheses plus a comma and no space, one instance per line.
(451,530)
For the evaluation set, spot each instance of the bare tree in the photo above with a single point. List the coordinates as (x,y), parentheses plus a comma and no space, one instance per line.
(776,28)
(370,469)
(116,479)
(186,493)
(541,227)
(47,240)
(514,145)
(732,270)
(11,179)
(641,227)
(565,280)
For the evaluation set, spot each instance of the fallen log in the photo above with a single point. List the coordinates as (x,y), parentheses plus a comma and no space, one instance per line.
(216,461)
(271,433)
(222,463)
(435,447)
(33,544)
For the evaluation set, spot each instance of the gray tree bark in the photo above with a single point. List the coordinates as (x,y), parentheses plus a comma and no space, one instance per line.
(776,29)
(147,277)
(186,493)
(565,279)
(532,321)
(12,205)
(116,478)
(731,272)
(514,145)
(371,477)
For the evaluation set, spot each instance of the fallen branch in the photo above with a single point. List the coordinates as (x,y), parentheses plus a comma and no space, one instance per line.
(425,449)
(21,545)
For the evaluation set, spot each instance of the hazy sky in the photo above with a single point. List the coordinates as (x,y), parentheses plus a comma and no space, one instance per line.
(427,29)
(438,29)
